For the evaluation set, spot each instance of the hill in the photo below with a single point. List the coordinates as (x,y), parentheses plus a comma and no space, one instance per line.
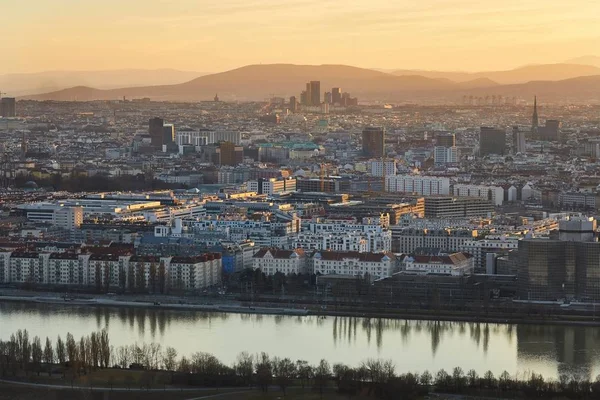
(585,60)
(257,82)
(544,72)
(24,84)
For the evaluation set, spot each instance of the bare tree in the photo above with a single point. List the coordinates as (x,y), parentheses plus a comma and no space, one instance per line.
(48,355)
(244,367)
(285,372)
(60,351)
(37,354)
(305,372)
(105,349)
(264,372)
(322,375)
(169,358)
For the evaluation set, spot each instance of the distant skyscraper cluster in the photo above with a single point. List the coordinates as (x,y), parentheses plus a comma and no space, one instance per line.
(311,97)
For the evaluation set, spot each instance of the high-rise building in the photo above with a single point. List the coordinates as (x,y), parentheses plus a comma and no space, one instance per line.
(230,154)
(336,96)
(8,108)
(561,269)
(293,104)
(534,118)
(315,93)
(518,141)
(308,95)
(373,142)
(492,141)
(551,131)
(156,131)
(168,134)
(445,151)
(327,98)
(304,98)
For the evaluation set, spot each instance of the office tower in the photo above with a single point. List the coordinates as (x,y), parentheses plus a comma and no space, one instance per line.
(551,131)
(315,93)
(492,141)
(293,104)
(230,154)
(518,141)
(8,107)
(445,151)
(156,131)
(561,269)
(373,142)
(336,96)
(304,98)
(308,95)
(327,98)
(168,134)
(534,118)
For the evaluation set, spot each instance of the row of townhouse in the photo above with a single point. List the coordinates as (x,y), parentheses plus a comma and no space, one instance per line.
(371,241)
(349,263)
(407,240)
(111,271)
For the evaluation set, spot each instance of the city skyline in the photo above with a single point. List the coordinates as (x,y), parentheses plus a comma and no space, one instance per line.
(449,35)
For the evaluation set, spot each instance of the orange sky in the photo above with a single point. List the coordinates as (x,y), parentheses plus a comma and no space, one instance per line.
(216,35)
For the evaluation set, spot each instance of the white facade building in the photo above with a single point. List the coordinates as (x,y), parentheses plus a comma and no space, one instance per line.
(377,167)
(456,264)
(376,265)
(445,155)
(270,261)
(423,185)
(493,193)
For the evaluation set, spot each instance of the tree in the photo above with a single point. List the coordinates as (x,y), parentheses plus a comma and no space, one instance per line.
(472,377)
(305,372)
(105,349)
(123,356)
(504,380)
(264,372)
(425,379)
(83,354)
(442,379)
(489,380)
(169,359)
(37,354)
(184,365)
(322,375)
(458,378)
(48,355)
(285,371)
(244,367)
(60,351)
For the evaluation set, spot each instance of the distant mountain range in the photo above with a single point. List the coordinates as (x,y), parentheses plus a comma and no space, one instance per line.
(554,82)
(41,82)
(545,72)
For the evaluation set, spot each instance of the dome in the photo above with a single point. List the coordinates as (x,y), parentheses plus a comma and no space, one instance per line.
(31,185)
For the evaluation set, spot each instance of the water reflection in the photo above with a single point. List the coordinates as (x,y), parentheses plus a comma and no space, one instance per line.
(551,350)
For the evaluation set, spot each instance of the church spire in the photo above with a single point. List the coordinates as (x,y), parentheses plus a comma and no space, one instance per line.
(534,118)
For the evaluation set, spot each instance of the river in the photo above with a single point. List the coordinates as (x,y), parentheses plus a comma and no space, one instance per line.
(413,345)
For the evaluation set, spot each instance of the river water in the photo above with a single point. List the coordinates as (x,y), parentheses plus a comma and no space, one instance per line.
(414,346)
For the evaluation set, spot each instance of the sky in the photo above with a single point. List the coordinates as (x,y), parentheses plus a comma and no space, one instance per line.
(217,35)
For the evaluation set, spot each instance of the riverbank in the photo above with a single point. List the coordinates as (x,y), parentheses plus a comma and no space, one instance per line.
(298,309)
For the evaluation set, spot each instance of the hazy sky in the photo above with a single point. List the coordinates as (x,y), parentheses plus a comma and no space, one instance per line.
(216,35)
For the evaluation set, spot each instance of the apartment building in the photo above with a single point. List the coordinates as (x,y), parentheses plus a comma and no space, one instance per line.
(373,265)
(272,260)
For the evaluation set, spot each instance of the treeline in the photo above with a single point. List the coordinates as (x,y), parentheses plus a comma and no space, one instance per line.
(96,183)
(374,378)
